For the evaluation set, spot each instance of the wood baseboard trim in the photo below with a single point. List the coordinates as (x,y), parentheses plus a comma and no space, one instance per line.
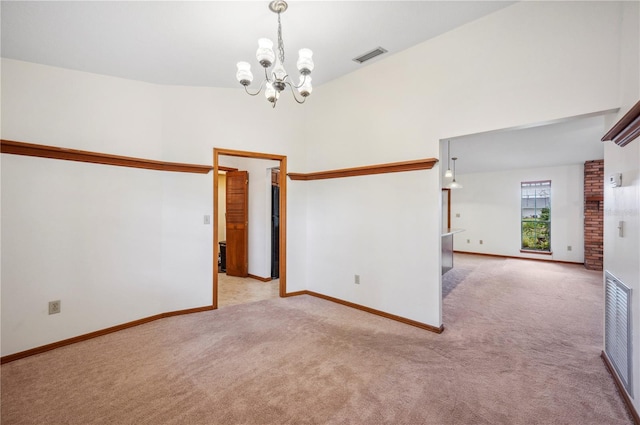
(54,152)
(621,390)
(393,167)
(400,319)
(295,294)
(517,258)
(261,279)
(80,338)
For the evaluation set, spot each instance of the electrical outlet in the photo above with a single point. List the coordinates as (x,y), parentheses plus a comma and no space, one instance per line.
(54,307)
(356,279)
(468,240)
(481,242)
(457,215)
(569,248)
(207,219)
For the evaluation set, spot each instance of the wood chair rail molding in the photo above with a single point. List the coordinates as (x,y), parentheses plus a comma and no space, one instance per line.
(54,152)
(627,129)
(392,167)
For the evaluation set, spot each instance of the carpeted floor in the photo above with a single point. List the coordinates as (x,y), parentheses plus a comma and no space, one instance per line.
(521,346)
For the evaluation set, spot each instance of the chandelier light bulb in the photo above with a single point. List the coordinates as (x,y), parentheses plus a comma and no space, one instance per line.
(305,88)
(244,75)
(270,93)
(305,61)
(265,54)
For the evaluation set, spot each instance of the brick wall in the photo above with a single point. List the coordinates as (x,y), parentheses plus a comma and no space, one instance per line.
(593,213)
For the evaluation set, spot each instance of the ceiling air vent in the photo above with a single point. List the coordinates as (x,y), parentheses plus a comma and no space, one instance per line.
(370,55)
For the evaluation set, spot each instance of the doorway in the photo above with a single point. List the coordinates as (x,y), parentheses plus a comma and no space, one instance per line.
(275,223)
(281,231)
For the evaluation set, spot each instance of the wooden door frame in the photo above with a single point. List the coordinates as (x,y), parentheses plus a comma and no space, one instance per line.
(283,213)
(445,189)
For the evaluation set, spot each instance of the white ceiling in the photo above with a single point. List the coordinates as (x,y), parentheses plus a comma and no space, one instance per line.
(572,141)
(197,43)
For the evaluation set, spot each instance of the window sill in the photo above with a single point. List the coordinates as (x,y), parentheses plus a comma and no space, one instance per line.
(532,251)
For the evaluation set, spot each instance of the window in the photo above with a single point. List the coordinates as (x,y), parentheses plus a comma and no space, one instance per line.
(536,215)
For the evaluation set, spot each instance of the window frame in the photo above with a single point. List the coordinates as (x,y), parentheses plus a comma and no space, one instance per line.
(543,223)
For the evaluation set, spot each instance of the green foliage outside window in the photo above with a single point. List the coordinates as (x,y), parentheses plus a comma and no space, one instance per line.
(536,216)
(536,232)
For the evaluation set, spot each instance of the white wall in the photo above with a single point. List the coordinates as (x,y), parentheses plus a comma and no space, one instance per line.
(352,232)
(530,62)
(187,248)
(508,69)
(88,235)
(115,244)
(260,216)
(489,209)
(622,254)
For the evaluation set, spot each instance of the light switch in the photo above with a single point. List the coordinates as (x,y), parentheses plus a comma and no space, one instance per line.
(207,219)
(621,229)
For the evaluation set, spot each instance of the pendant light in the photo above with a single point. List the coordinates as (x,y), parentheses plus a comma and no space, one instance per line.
(448,174)
(454,183)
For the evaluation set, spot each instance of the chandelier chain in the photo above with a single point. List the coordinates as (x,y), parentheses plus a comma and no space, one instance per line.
(280,42)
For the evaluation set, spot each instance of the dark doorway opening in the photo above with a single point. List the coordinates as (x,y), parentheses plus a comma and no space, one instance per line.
(275,223)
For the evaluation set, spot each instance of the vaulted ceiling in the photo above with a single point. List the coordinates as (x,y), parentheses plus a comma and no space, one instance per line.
(197,43)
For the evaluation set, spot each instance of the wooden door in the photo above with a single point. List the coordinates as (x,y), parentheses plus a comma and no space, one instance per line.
(237,223)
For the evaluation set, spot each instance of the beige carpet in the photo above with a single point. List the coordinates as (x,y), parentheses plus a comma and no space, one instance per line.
(521,346)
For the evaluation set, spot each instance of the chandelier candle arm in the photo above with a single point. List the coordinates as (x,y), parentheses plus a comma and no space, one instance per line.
(304,96)
(246,89)
(276,79)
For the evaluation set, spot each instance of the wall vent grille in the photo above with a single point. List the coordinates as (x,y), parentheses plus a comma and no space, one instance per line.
(617,333)
(370,55)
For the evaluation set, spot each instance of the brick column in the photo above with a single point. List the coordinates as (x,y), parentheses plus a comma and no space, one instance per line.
(593,214)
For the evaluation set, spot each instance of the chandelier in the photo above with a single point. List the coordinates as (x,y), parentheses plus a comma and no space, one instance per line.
(276,79)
